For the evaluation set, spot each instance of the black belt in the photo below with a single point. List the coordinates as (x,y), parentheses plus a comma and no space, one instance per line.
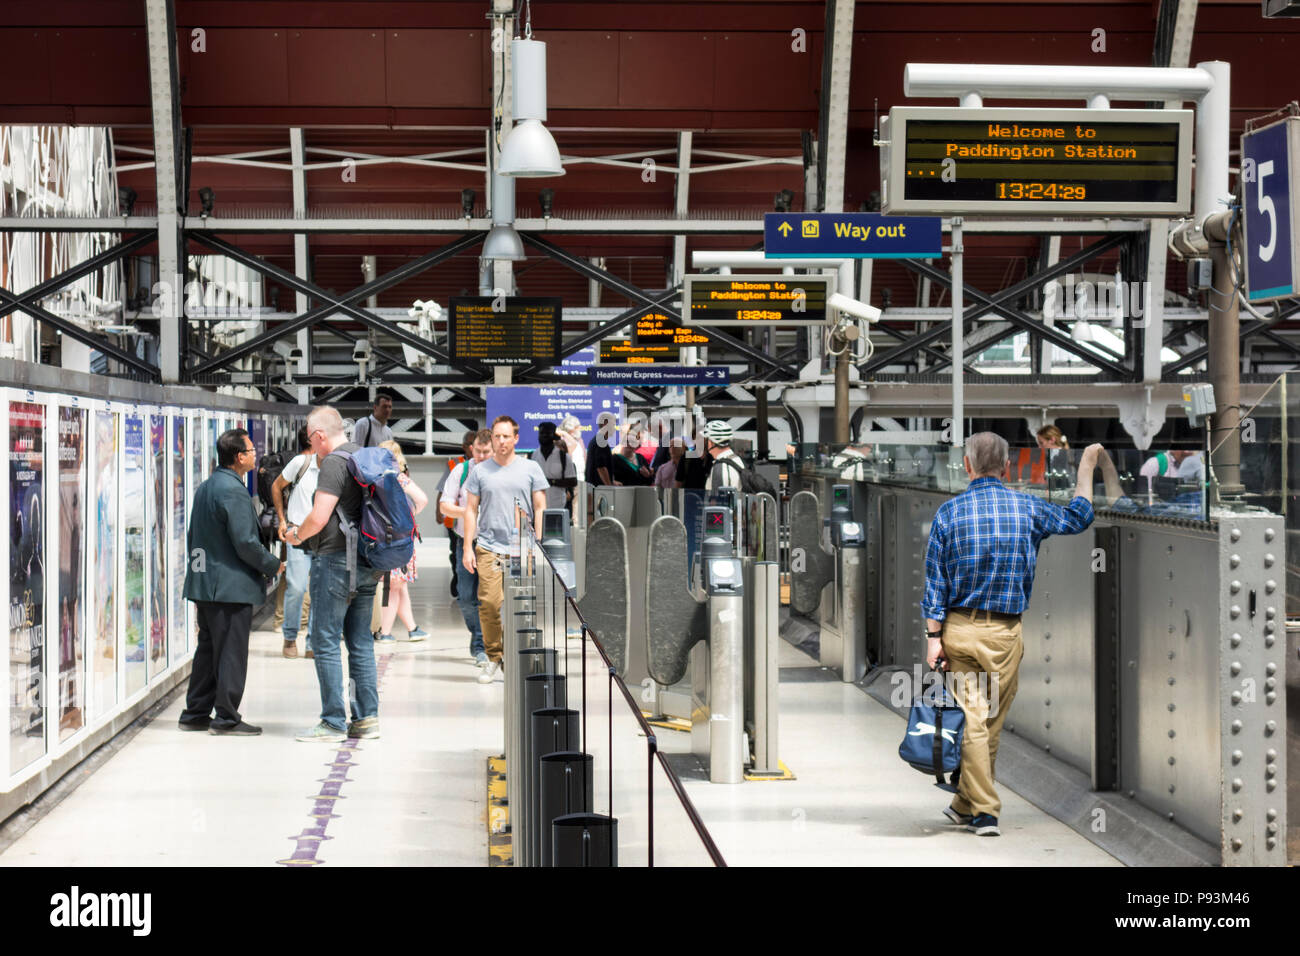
(995,615)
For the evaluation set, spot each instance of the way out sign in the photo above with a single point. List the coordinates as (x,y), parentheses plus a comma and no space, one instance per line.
(1269,176)
(861,235)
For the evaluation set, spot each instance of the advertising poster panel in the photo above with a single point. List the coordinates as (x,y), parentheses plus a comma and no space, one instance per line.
(158,511)
(104,671)
(72,517)
(176,588)
(133,523)
(26,583)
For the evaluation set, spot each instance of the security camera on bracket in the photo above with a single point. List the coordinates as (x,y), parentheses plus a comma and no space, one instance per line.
(361,355)
(859,310)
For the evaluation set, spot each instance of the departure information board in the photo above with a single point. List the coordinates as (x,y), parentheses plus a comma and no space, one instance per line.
(654,328)
(520,331)
(762,300)
(1037,162)
(624,350)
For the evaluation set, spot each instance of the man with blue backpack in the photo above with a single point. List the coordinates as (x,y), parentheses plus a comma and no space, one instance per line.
(361,525)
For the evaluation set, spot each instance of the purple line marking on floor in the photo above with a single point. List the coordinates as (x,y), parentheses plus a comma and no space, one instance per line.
(307,843)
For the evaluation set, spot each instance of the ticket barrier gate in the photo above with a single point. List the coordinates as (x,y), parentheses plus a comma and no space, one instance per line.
(830,582)
(728,638)
(549,780)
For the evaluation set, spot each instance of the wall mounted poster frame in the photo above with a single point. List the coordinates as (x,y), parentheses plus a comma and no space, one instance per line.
(105,590)
(72,563)
(26,480)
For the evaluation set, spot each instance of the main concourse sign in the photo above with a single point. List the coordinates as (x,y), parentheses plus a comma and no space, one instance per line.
(1036,162)
(850,235)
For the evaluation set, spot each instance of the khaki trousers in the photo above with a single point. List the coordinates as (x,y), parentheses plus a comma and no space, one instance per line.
(491,595)
(279,608)
(983,654)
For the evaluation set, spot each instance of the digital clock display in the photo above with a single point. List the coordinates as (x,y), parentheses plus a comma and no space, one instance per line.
(755,300)
(1037,162)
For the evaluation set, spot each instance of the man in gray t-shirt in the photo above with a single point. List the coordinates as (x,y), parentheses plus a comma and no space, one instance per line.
(492,491)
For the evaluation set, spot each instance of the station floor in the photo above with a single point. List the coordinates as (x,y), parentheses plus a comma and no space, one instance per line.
(418,795)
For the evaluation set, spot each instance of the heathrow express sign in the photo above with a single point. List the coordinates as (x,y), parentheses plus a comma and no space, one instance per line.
(1036,162)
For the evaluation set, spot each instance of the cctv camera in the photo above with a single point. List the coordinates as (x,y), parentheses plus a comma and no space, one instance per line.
(361,352)
(853,307)
(295,355)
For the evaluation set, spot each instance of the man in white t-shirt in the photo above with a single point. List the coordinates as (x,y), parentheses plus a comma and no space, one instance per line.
(298,479)
(452,504)
(556,464)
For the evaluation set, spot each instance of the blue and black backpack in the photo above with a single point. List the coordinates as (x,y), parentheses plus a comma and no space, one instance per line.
(385,536)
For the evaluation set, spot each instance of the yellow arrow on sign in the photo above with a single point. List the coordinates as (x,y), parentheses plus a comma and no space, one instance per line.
(784,229)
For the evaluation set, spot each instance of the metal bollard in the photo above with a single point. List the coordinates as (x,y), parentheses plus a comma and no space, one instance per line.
(529,661)
(585,839)
(554,729)
(567,784)
(540,691)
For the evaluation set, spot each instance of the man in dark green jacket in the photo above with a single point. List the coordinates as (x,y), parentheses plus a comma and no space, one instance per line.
(228,568)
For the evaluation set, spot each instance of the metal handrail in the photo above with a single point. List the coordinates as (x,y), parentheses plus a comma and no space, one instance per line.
(652,743)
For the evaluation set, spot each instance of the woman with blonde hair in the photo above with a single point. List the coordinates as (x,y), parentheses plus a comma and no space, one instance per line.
(399,595)
(1049,436)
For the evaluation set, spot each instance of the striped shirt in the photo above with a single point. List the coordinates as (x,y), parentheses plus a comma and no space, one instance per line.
(984,546)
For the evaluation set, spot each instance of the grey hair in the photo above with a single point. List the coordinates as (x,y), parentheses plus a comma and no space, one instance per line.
(988,454)
(569,423)
(327,419)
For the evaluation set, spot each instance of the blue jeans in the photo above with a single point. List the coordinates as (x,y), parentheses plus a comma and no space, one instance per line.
(335,618)
(467,598)
(297,576)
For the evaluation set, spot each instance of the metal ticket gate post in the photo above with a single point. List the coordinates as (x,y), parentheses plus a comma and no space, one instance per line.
(724,695)
(842,611)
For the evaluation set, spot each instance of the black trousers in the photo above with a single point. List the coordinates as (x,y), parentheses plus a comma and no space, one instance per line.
(220,663)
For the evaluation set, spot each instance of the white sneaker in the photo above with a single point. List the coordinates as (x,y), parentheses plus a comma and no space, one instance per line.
(489,672)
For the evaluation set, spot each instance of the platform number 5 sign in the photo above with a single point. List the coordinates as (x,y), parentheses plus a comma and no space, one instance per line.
(1268,180)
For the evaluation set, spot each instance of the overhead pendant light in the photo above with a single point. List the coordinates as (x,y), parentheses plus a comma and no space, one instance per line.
(529,149)
(502,241)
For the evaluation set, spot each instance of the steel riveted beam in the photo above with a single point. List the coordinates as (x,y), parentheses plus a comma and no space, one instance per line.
(11,302)
(996,302)
(647,300)
(82,269)
(1019,320)
(331,304)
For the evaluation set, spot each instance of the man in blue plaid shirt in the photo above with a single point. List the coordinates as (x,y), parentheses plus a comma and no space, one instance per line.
(979,571)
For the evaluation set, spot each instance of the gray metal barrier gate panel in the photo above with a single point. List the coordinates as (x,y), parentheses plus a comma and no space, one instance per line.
(909,534)
(1169,647)
(811,567)
(675,619)
(605,605)
(1251,564)
(1054,702)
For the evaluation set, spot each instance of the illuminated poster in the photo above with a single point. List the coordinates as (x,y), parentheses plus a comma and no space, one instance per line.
(72,515)
(214,432)
(104,669)
(256,435)
(179,641)
(134,531)
(26,583)
(158,510)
